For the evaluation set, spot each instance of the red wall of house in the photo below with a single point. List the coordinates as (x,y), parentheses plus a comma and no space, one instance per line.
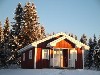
(41,63)
(68,44)
(28,63)
(65,44)
(44,63)
(79,62)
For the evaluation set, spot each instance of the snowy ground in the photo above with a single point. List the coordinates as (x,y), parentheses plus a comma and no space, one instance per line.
(47,72)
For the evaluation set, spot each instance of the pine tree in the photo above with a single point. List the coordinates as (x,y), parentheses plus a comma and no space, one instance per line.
(17,27)
(1,46)
(1,33)
(1,36)
(89,55)
(96,53)
(95,40)
(6,32)
(83,39)
(75,37)
(32,30)
(99,41)
(5,42)
(15,34)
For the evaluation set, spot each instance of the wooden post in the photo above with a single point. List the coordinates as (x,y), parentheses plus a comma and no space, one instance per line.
(83,57)
(35,57)
(53,57)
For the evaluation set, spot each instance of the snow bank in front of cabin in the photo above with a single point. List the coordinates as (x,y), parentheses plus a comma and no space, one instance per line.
(47,72)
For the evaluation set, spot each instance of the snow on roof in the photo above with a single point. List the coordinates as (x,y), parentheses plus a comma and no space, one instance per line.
(76,42)
(65,36)
(34,44)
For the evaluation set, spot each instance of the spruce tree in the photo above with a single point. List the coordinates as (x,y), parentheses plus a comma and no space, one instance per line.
(96,53)
(83,39)
(6,51)
(32,30)
(17,26)
(15,34)
(1,36)
(1,44)
(89,55)
(1,33)
(6,32)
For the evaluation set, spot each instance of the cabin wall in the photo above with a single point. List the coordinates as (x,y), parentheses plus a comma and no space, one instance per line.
(28,63)
(65,44)
(41,63)
(79,62)
(65,57)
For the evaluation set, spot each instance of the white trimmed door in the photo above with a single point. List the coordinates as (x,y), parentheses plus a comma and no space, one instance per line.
(72,58)
(58,58)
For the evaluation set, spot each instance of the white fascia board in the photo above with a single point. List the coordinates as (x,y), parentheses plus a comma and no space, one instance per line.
(40,41)
(25,48)
(34,44)
(76,42)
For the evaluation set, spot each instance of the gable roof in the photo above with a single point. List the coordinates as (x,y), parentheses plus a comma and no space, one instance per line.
(34,44)
(53,43)
(76,42)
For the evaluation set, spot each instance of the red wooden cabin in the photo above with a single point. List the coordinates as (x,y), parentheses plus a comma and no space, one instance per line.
(59,50)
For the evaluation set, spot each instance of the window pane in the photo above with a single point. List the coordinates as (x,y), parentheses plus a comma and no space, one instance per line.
(30,54)
(23,56)
(45,54)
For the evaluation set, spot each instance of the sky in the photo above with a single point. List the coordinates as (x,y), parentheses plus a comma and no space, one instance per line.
(71,16)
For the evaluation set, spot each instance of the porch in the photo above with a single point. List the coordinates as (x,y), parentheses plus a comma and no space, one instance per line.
(63,58)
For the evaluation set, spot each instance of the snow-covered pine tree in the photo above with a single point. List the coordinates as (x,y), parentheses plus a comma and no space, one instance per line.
(75,37)
(32,30)
(18,24)
(14,41)
(1,46)
(96,53)
(83,39)
(94,41)
(6,32)
(17,27)
(1,32)
(89,55)
(1,36)
(99,41)
(6,51)
(43,35)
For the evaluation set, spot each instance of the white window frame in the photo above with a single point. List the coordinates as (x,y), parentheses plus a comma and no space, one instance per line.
(46,53)
(23,56)
(30,54)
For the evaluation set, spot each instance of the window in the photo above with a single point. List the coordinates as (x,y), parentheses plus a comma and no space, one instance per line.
(45,54)
(30,54)
(23,56)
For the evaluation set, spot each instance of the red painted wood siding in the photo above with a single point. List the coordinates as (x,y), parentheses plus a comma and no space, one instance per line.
(79,62)
(44,44)
(41,63)
(39,58)
(65,57)
(28,63)
(65,44)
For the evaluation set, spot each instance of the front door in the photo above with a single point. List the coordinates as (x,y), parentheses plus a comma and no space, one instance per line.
(58,58)
(65,57)
(73,58)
